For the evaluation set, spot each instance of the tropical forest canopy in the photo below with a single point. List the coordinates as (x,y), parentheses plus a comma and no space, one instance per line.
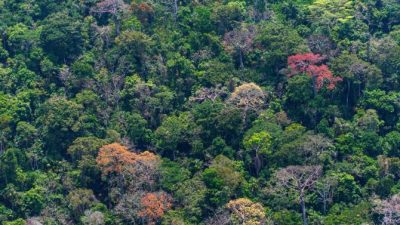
(179,112)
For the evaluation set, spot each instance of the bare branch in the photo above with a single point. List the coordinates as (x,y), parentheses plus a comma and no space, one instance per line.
(389,209)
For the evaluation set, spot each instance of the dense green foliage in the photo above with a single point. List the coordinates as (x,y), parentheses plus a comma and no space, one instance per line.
(203,112)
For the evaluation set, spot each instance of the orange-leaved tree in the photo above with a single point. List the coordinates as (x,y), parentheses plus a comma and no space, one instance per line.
(154,205)
(136,170)
(132,179)
(112,158)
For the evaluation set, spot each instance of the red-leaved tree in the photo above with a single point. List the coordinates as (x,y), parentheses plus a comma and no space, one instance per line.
(311,64)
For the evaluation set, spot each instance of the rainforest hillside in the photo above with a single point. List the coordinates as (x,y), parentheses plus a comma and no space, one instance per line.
(199,112)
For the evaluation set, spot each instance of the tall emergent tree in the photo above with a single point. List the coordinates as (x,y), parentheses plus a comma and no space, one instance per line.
(299,179)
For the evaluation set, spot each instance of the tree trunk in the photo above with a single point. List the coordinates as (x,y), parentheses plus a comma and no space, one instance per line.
(257,164)
(2,147)
(256,11)
(314,84)
(303,209)
(175,10)
(241,59)
(369,47)
(348,93)
(117,23)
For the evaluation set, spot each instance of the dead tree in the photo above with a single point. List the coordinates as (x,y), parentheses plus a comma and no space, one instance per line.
(115,8)
(170,5)
(240,41)
(389,209)
(299,179)
(325,190)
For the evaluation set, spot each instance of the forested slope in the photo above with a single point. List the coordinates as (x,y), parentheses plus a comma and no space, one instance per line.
(179,112)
